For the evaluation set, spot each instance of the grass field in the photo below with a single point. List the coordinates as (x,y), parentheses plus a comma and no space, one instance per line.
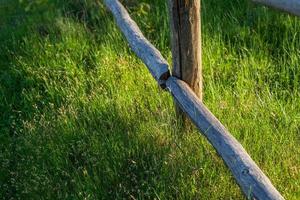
(81,117)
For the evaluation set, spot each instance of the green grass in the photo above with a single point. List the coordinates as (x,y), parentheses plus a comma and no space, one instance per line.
(81,117)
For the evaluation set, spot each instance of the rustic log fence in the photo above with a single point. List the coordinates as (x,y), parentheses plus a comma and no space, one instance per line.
(253,182)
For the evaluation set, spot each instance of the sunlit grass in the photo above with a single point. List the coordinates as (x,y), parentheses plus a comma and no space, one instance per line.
(82,118)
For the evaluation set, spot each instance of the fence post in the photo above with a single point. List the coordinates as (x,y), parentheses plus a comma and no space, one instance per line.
(185,21)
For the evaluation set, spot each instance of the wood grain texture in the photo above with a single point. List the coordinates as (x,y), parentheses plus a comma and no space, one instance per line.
(248,175)
(185,22)
(289,6)
(153,59)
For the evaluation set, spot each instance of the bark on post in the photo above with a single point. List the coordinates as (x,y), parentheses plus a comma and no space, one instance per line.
(186,44)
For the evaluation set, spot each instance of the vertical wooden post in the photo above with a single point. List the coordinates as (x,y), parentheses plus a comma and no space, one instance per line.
(185,20)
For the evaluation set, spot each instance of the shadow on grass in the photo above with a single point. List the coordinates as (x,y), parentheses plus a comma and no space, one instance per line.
(59,151)
(39,21)
(93,153)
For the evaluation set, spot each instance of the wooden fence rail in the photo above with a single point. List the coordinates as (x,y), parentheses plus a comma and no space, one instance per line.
(289,6)
(153,59)
(253,182)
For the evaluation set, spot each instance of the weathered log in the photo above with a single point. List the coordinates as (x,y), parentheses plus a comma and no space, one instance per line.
(153,59)
(289,6)
(248,175)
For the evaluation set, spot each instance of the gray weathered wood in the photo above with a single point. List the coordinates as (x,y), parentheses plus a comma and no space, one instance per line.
(290,6)
(248,175)
(153,59)
(185,23)
(251,179)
